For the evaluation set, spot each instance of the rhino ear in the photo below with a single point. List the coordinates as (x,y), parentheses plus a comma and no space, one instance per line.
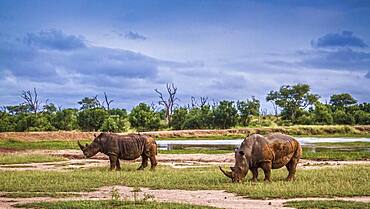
(241,152)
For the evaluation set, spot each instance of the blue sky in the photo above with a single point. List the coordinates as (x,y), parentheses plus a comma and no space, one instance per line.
(220,49)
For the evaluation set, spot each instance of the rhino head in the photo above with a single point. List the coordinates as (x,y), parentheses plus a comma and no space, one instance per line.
(240,169)
(92,149)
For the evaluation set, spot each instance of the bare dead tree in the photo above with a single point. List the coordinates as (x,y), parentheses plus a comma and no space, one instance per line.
(31,100)
(107,101)
(202,102)
(170,102)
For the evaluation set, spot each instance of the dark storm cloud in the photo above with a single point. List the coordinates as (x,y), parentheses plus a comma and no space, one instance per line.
(54,39)
(343,39)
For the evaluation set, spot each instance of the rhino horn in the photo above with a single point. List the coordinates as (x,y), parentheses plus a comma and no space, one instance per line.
(227,173)
(80,145)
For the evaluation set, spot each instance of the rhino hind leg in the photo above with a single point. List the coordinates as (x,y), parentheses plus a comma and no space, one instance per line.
(144,162)
(118,165)
(292,165)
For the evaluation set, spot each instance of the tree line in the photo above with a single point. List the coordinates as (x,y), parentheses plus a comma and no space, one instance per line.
(292,105)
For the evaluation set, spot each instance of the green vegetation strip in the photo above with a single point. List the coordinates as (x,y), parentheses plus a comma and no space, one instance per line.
(89,204)
(38,194)
(326,182)
(327,204)
(27,158)
(52,145)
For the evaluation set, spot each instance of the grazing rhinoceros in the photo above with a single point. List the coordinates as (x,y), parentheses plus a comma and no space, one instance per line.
(266,152)
(126,147)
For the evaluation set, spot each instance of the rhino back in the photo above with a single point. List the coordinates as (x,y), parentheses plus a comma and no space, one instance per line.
(131,147)
(127,147)
(283,147)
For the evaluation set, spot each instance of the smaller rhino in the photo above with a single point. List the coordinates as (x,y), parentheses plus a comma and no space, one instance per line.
(125,147)
(267,152)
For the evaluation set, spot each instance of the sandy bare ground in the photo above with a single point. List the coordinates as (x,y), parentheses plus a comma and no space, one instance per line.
(216,198)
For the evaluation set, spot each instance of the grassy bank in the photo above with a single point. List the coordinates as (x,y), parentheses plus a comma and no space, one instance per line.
(113,204)
(298,130)
(27,158)
(326,182)
(51,145)
(327,204)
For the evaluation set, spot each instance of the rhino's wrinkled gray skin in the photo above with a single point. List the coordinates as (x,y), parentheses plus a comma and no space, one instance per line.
(267,152)
(126,147)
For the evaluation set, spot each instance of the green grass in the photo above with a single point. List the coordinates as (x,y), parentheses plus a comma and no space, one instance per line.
(52,145)
(335,155)
(332,151)
(326,182)
(38,194)
(327,204)
(27,158)
(343,144)
(89,204)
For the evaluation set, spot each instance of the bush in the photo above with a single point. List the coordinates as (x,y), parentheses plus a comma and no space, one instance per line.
(143,118)
(91,119)
(340,117)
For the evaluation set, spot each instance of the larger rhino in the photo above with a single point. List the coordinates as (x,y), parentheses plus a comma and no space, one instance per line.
(126,147)
(267,152)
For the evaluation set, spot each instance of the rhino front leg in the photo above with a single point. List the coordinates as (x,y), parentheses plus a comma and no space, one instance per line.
(266,167)
(255,174)
(153,163)
(113,161)
(144,162)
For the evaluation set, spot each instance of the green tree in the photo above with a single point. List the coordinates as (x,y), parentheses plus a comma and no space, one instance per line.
(342,100)
(292,99)
(362,117)
(199,118)
(143,118)
(179,117)
(65,120)
(247,109)
(91,119)
(17,109)
(225,115)
(89,103)
(6,122)
(322,114)
(50,108)
(365,107)
(341,117)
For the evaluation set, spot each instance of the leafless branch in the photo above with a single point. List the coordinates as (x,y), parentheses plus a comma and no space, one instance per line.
(170,102)
(107,101)
(31,100)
